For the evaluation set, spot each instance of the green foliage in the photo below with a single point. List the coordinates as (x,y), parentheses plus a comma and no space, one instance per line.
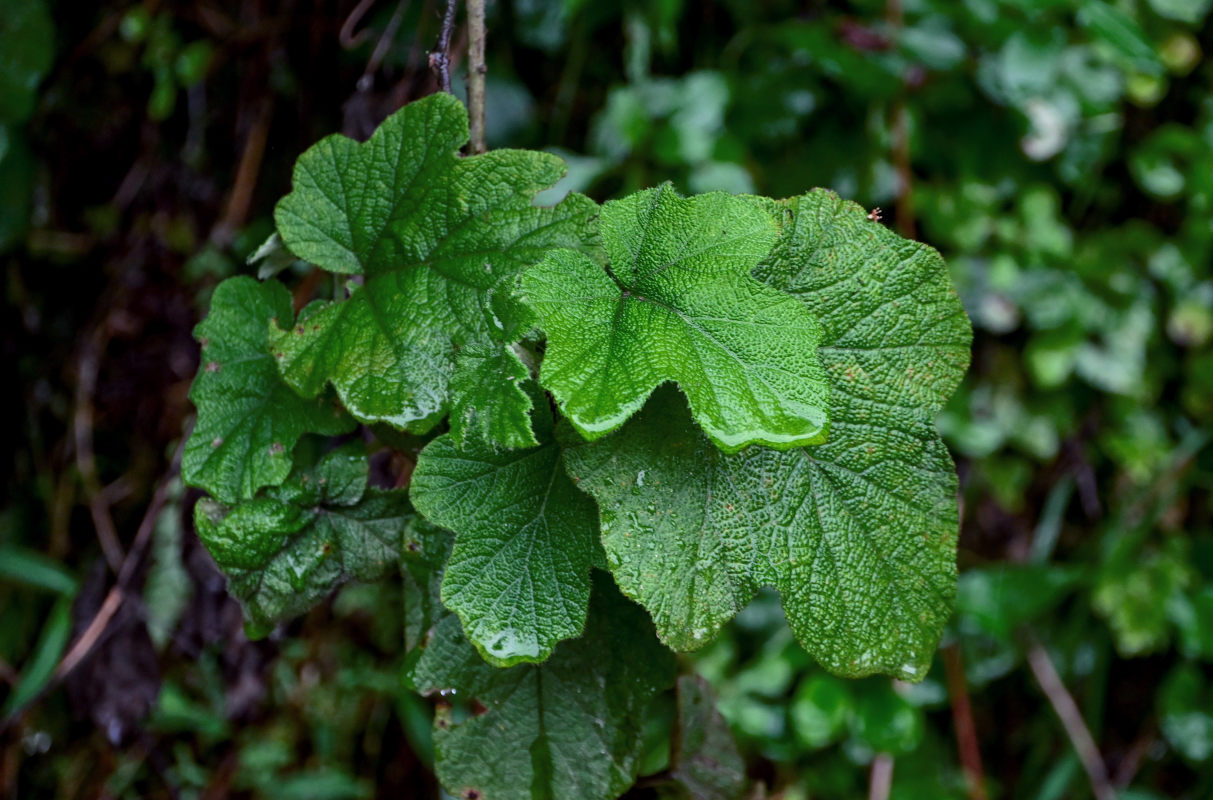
(812,346)
(1059,155)
(569,727)
(284,551)
(519,573)
(677,303)
(248,419)
(27,40)
(436,238)
(858,533)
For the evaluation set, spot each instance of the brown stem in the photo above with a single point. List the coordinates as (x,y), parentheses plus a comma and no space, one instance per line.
(962,720)
(440,59)
(476,72)
(1071,719)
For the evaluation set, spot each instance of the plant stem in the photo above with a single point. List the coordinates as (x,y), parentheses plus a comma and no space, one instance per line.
(962,719)
(440,59)
(476,71)
(880,780)
(1071,719)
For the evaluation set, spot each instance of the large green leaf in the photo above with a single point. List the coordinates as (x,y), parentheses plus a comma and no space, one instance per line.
(285,551)
(859,533)
(519,574)
(435,236)
(568,728)
(678,304)
(248,419)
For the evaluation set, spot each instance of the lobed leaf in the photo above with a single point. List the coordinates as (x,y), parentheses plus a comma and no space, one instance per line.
(678,304)
(248,419)
(436,237)
(859,533)
(525,539)
(284,552)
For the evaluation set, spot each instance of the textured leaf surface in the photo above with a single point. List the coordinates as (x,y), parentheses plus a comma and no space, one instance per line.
(488,404)
(525,539)
(435,236)
(568,728)
(284,552)
(248,419)
(679,304)
(858,534)
(707,764)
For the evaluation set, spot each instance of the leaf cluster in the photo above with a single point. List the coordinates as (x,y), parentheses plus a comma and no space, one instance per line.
(676,400)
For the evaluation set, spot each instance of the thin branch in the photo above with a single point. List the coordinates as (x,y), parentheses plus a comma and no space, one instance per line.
(962,720)
(476,73)
(1071,719)
(96,629)
(382,46)
(880,779)
(347,38)
(440,59)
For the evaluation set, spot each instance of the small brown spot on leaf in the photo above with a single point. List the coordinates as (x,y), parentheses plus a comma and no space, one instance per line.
(212,366)
(412,547)
(299,330)
(471,794)
(276,449)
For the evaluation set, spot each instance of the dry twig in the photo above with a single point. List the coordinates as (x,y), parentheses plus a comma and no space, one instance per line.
(440,59)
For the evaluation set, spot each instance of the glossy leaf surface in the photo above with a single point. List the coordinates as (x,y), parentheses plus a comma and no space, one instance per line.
(858,534)
(434,236)
(678,304)
(519,574)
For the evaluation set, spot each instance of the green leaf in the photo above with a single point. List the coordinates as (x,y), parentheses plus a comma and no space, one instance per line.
(858,534)
(248,419)
(487,401)
(707,765)
(32,568)
(570,727)
(423,556)
(27,48)
(678,304)
(519,574)
(1185,709)
(435,237)
(44,658)
(285,552)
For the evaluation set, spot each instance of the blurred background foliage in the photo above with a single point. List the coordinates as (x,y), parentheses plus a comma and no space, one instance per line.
(1059,153)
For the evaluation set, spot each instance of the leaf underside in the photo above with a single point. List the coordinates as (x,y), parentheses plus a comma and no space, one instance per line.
(570,727)
(678,304)
(859,533)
